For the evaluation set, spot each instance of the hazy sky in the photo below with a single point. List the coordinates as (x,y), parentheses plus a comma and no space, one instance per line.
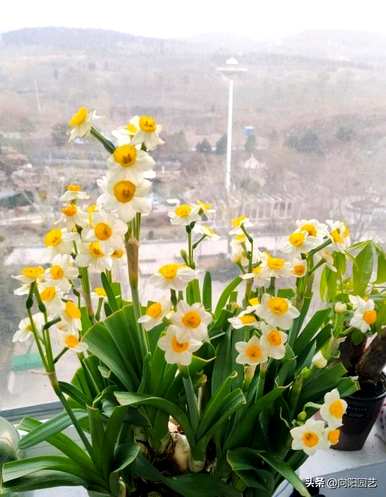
(179,18)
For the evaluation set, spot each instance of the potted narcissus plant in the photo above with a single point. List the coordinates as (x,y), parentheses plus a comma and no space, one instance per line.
(191,394)
(357,290)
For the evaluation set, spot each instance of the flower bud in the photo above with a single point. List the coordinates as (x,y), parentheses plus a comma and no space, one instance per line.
(302,416)
(319,361)
(340,307)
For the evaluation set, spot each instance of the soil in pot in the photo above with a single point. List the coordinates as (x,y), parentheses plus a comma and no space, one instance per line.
(362,411)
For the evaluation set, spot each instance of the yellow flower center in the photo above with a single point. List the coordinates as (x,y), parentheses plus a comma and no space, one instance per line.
(100,292)
(125,155)
(257,270)
(72,310)
(179,346)
(333,436)
(57,272)
(95,249)
(70,210)
(275,263)
(79,117)
(238,221)
(183,210)
(309,228)
(299,269)
(32,272)
(71,341)
(73,188)
(370,317)
(117,254)
(124,191)
(247,319)
(48,294)
(169,271)
(53,238)
(147,124)
(131,128)
(241,238)
(339,235)
(191,319)
(253,352)
(254,301)
(274,338)
(154,310)
(278,305)
(337,409)
(204,206)
(103,231)
(297,238)
(310,439)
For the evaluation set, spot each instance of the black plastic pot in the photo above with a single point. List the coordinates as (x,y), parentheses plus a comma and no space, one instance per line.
(362,411)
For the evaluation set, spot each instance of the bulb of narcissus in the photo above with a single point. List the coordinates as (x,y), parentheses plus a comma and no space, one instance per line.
(125,155)
(147,124)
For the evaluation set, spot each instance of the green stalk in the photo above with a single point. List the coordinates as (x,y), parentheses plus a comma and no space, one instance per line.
(108,145)
(85,281)
(191,397)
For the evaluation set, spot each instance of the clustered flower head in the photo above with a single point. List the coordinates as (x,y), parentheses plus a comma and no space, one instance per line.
(321,433)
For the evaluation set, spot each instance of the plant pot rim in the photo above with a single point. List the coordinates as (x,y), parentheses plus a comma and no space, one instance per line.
(358,395)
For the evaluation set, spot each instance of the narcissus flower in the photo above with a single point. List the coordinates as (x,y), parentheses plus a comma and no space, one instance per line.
(73,192)
(71,316)
(309,437)
(314,229)
(106,229)
(275,267)
(147,131)
(299,242)
(124,197)
(154,314)
(177,351)
(61,272)
(298,268)
(184,214)
(24,331)
(259,275)
(72,342)
(128,161)
(27,276)
(274,341)
(81,123)
(72,215)
(191,321)
(237,223)
(365,314)
(244,319)
(59,241)
(339,234)
(204,229)
(251,353)
(333,408)
(277,311)
(94,256)
(173,276)
(51,296)
(332,435)
(206,208)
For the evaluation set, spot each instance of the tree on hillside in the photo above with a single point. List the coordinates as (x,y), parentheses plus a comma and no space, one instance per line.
(221,145)
(204,147)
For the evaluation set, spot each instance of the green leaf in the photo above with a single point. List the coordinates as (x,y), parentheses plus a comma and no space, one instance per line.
(25,467)
(311,329)
(244,465)
(134,400)
(118,344)
(189,485)
(225,295)
(61,442)
(381,266)
(49,428)
(207,292)
(74,393)
(47,479)
(109,292)
(321,381)
(285,471)
(362,269)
